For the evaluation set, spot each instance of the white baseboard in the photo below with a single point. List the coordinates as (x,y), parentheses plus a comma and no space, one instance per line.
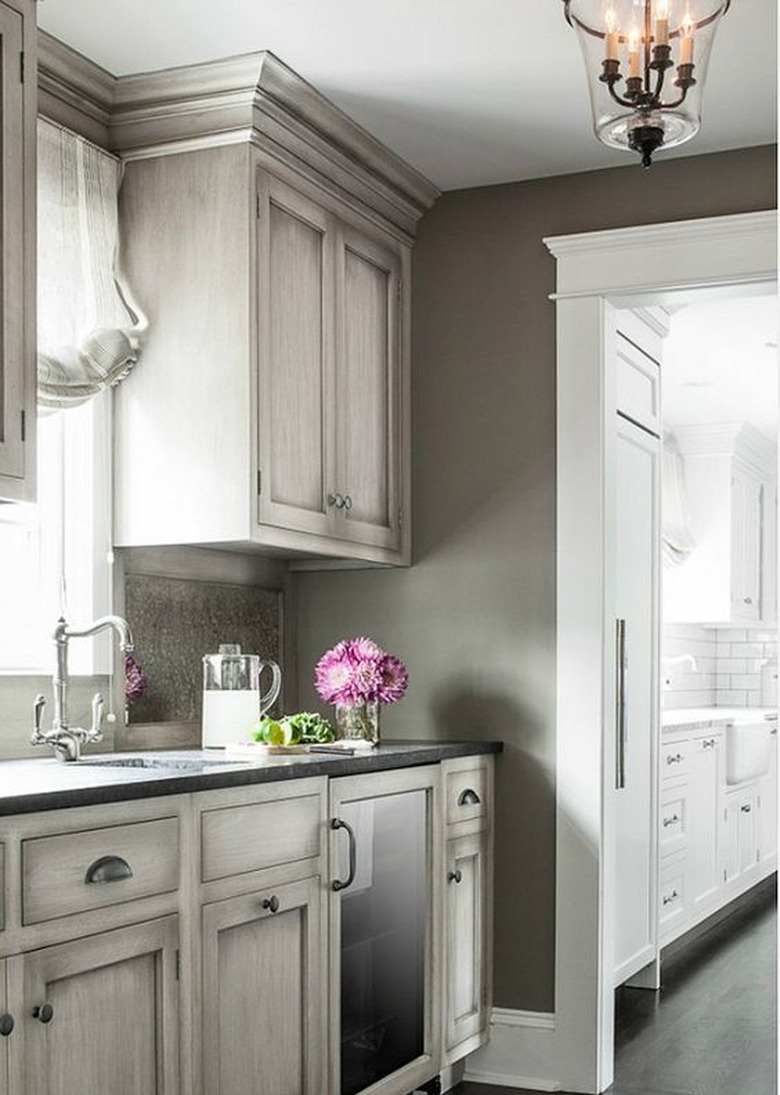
(520,1053)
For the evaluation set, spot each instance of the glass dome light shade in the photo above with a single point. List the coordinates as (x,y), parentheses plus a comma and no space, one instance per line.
(646,64)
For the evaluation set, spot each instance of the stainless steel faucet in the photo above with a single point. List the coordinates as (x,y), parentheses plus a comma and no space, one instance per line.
(66,740)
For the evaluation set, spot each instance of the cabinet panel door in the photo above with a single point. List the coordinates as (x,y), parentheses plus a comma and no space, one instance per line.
(263,1011)
(4,1039)
(703,832)
(635,802)
(114,1022)
(466,974)
(368,388)
(767,804)
(746,537)
(12,255)
(295,347)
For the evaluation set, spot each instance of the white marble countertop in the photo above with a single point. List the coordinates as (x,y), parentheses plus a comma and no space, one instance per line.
(702,717)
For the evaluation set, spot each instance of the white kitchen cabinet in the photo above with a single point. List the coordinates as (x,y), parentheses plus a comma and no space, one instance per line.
(730,476)
(98,1014)
(767,806)
(740,854)
(385,931)
(635,795)
(270,410)
(704,783)
(18,103)
(263,968)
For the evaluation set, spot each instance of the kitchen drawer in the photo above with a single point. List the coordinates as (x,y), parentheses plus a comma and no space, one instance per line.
(675,757)
(672,895)
(467,789)
(251,836)
(673,819)
(76,871)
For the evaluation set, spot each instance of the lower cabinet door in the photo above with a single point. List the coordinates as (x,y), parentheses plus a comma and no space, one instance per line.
(7,1024)
(263,1008)
(98,1015)
(466,904)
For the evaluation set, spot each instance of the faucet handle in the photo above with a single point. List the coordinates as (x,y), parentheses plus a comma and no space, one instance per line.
(38,705)
(96,730)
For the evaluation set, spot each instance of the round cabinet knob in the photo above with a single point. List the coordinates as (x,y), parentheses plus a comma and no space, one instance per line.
(455,876)
(43,1013)
(337,500)
(271,903)
(347,503)
(748,600)
(6,1025)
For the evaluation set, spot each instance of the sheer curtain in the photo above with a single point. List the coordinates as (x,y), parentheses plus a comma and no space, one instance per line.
(88,331)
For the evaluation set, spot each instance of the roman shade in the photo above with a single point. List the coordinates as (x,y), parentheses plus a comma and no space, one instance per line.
(676,537)
(88,331)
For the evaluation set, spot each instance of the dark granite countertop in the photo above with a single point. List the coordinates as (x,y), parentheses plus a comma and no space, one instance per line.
(48,784)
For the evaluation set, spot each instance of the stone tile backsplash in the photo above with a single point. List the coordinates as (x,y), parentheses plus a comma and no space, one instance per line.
(735,667)
(175,622)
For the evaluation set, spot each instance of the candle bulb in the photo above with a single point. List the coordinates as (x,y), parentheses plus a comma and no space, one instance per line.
(662,24)
(633,55)
(686,43)
(613,37)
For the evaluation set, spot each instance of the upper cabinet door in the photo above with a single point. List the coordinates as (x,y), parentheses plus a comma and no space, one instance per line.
(17,258)
(295,374)
(368,388)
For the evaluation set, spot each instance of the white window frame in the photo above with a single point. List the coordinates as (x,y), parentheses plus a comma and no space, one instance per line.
(66,536)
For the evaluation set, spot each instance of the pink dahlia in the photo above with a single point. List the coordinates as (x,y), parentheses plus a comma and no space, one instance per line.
(357,671)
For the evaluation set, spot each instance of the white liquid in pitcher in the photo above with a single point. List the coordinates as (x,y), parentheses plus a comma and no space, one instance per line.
(229,717)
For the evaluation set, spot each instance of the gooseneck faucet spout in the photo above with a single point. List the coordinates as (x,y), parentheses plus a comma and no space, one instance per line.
(65,739)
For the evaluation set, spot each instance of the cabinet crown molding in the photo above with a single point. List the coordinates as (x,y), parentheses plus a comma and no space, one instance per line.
(738,439)
(254,97)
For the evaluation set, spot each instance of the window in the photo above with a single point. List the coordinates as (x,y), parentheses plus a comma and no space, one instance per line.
(55,554)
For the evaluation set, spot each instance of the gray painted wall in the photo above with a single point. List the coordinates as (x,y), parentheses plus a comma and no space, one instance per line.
(474,617)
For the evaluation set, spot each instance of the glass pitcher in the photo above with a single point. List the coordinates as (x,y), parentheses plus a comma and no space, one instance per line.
(232,700)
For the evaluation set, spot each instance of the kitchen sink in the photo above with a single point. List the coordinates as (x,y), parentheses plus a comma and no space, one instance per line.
(747,750)
(165,762)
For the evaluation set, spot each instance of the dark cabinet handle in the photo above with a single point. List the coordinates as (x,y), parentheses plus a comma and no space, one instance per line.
(347,503)
(672,897)
(6,1025)
(43,1013)
(271,903)
(455,876)
(109,868)
(674,759)
(671,820)
(336,499)
(342,884)
(468,797)
(746,808)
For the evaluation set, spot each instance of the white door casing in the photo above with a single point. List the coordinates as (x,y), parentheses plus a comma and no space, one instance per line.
(621,267)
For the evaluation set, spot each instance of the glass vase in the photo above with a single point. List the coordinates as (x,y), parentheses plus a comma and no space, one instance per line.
(358,722)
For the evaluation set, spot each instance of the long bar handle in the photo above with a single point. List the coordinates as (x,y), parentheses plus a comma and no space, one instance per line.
(338,883)
(620,705)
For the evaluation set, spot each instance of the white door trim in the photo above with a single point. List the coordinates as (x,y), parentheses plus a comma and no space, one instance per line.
(594,271)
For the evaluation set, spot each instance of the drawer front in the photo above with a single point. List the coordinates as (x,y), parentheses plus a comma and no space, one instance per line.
(251,837)
(78,871)
(672,895)
(467,793)
(675,758)
(673,820)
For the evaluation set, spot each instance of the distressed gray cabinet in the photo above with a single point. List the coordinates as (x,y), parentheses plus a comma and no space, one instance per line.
(270,410)
(99,1014)
(18,106)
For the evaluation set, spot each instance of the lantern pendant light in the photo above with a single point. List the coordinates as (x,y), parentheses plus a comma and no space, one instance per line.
(646,62)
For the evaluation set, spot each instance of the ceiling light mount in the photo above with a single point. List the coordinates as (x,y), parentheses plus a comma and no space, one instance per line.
(655,108)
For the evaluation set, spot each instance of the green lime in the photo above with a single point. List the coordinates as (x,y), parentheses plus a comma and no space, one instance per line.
(277,733)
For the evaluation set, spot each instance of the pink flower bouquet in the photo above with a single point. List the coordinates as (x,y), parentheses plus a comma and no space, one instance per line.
(357,676)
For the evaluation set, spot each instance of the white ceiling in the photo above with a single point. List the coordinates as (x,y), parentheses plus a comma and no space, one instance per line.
(469,92)
(721,364)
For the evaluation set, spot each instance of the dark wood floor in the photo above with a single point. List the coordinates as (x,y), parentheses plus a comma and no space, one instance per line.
(712,1030)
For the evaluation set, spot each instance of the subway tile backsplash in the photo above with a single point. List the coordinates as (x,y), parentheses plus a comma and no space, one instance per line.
(734,667)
